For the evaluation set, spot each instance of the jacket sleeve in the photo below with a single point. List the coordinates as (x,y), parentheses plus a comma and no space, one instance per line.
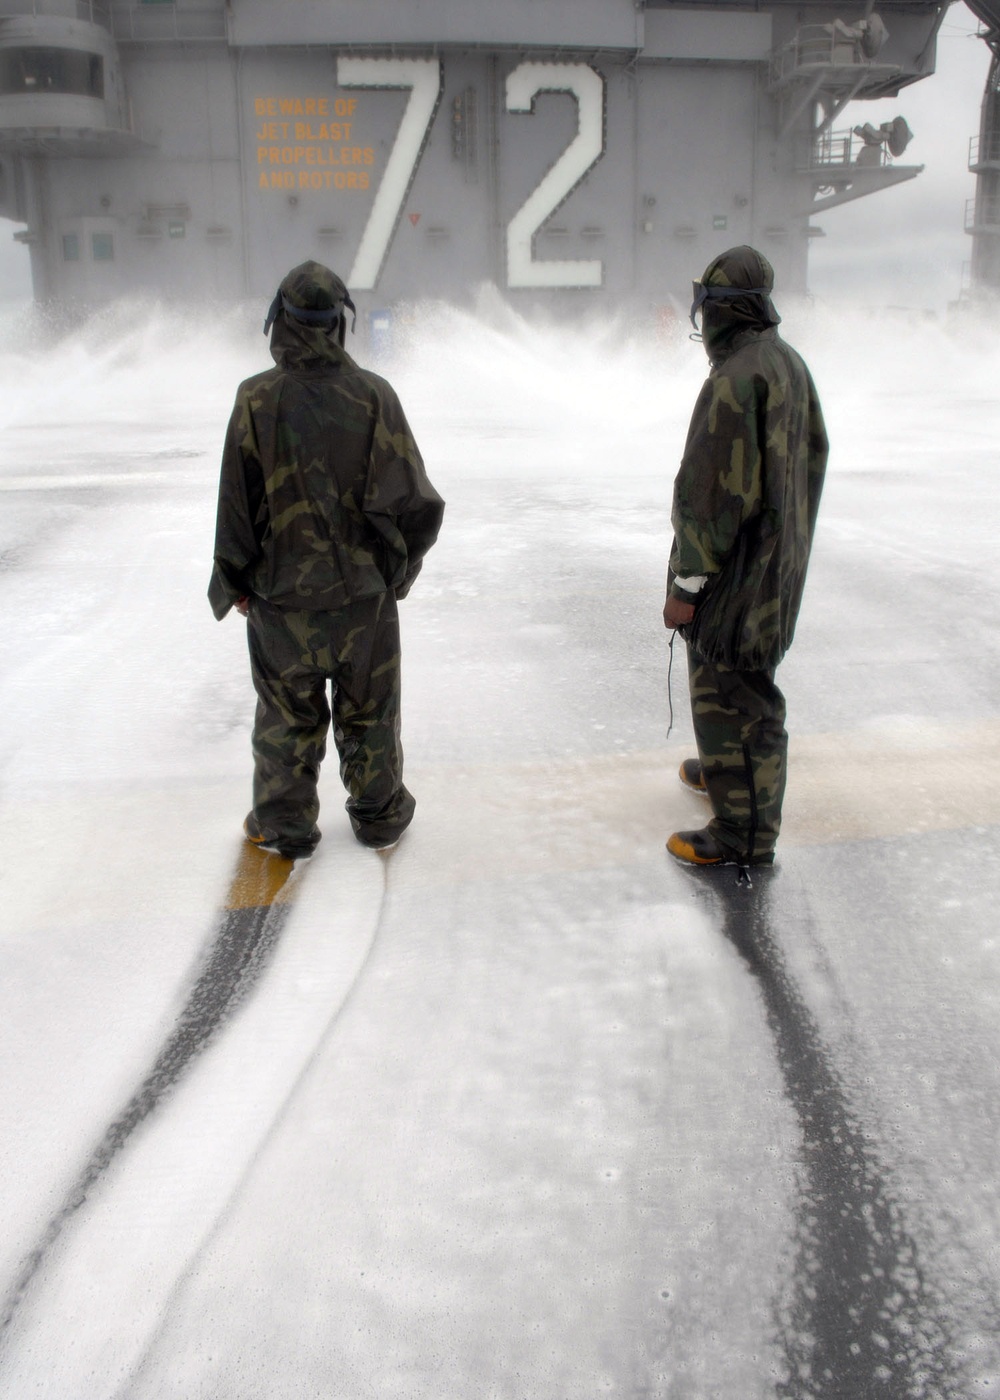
(241,500)
(819,450)
(718,486)
(400,503)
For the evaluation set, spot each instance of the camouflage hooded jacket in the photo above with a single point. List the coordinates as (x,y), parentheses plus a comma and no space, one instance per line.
(748,489)
(323,497)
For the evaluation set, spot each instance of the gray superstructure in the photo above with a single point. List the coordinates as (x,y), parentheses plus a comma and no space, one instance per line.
(576,152)
(982,215)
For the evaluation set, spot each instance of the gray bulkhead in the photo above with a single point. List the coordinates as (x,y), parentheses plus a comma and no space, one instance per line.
(575,153)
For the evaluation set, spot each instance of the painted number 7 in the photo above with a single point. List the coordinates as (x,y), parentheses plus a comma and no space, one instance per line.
(423,77)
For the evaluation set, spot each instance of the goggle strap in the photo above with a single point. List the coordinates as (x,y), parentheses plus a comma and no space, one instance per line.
(721,293)
(326,316)
(705,293)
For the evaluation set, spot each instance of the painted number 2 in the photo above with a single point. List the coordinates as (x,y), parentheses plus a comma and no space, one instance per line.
(586,148)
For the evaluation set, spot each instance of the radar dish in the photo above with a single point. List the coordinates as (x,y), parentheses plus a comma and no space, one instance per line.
(873,35)
(900,136)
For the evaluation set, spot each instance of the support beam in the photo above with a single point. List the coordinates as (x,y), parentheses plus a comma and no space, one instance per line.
(808,96)
(864,182)
(842,102)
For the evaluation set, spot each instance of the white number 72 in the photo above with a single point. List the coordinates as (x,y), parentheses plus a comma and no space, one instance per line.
(424,79)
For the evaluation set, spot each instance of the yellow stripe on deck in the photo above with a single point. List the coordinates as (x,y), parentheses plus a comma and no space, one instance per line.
(899,776)
(259,880)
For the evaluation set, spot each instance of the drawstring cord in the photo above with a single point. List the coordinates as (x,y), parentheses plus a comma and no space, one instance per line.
(670,672)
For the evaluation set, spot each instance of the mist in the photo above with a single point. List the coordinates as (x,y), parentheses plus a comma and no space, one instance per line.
(520,1112)
(906,247)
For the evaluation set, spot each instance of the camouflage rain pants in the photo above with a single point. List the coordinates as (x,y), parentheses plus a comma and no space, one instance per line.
(739,725)
(293,657)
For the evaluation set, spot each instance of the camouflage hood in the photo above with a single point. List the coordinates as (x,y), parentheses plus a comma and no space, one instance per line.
(315,336)
(724,321)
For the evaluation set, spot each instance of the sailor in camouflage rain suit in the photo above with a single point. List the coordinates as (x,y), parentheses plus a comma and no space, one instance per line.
(745,503)
(325,514)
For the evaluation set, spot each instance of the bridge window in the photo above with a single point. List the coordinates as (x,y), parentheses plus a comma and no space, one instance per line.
(71,247)
(51,70)
(103,247)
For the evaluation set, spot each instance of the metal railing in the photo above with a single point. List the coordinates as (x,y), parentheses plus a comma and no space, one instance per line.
(148,23)
(982,214)
(131,19)
(96,11)
(984,150)
(833,150)
(816,46)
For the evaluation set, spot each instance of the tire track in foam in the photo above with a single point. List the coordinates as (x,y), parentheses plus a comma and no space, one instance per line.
(861,1314)
(89,1300)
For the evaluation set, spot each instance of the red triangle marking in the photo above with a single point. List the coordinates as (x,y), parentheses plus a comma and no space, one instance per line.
(414,219)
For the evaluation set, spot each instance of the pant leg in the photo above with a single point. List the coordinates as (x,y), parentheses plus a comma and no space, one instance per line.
(291,722)
(739,725)
(367,725)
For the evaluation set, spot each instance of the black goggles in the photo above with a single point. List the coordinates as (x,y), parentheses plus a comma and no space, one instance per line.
(327,316)
(703,293)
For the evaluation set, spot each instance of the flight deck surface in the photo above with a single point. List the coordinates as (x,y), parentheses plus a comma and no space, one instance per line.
(520,1108)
